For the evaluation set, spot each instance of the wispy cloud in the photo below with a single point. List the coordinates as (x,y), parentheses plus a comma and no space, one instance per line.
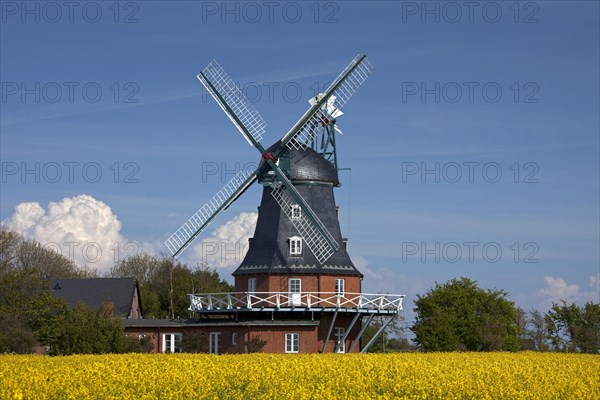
(59,110)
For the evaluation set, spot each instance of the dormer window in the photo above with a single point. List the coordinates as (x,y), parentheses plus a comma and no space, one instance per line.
(296,211)
(295,246)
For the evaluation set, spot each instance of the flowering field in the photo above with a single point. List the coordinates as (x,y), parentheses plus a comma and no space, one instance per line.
(191,376)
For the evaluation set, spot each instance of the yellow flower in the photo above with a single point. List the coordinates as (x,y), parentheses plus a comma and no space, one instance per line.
(325,376)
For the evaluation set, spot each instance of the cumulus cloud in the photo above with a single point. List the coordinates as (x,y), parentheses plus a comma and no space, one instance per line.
(81,228)
(228,244)
(86,231)
(557,289)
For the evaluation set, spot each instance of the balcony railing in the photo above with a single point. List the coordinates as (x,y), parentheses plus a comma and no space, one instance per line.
(239,301)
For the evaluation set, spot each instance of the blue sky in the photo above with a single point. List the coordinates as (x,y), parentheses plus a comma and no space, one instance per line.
(473,148)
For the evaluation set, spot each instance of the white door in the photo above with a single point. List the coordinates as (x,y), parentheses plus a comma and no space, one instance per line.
(213,342)
(295,285)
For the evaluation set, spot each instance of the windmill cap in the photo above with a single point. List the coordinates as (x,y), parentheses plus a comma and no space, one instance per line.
(306,165)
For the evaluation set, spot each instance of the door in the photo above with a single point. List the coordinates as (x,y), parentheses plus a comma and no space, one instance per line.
(295,285)
(251,286)
(213,342)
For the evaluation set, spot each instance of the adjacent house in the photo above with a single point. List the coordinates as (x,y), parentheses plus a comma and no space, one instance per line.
(122,293)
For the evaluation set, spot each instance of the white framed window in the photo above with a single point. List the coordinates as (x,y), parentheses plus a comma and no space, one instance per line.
(340,346)
(296,211)
(295,246)
(340,287)
(234,339)
(292,342)
(171,343)
(213,342)
(251,285)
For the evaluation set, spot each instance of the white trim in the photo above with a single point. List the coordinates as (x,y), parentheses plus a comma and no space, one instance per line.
(171,342)
(295,291)
(340,286)
(292,342)
(388,303)
(295,211)
(295,246)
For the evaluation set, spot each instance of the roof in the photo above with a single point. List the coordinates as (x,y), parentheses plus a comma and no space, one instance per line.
(303,164)
(308,165)
(269,249)
(93,292)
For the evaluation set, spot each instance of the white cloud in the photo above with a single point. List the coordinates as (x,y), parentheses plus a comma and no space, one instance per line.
(557,289)
(362,265)
(81,228)
(86,231)
(594,293)
(228,244)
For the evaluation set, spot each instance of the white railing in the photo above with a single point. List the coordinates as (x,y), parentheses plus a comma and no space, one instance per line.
(286,300)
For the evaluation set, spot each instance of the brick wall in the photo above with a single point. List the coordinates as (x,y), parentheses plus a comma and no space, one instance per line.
(312,338)
(310,283)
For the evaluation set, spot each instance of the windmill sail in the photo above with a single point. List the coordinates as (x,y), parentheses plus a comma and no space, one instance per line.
(341,89)
(196,224)
(231,99)
(252,126)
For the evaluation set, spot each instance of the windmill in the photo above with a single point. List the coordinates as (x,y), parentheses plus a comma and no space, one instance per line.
(315,130)
(297,300)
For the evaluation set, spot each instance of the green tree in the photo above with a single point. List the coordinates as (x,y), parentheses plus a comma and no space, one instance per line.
(534,335)
(458,315)
(572,328)
(85,331)
(166,283)
(26,305)
(15,335)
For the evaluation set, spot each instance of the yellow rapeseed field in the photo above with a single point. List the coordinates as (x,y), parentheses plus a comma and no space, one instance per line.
(329,376)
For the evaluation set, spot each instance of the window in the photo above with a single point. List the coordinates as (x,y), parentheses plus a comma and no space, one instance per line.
(340,287)
(296,211)
(340,346)
(213,342)
(295,286)
(171,343)
(292,342)
(295,246)
(234,339)
(251,285)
